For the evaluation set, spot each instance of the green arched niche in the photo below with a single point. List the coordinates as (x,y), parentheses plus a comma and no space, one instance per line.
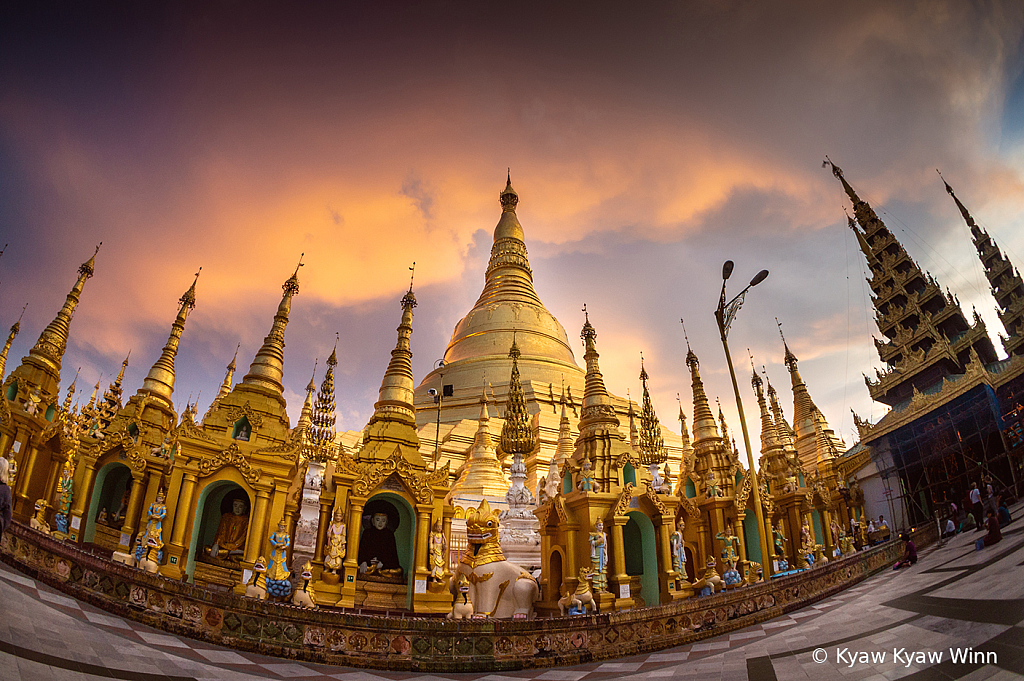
(641,555)
(405,537)
(109,486)
(208,514)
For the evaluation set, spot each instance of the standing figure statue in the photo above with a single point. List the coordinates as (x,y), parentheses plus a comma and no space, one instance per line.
(438,553)
(278,575)
(337,543)
(149,547)
(12,471)
(730,545)
(678,548)
(599,556)
(779,539)
(64,491)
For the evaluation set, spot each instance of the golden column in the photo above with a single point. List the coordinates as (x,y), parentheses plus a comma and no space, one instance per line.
(183,506)
(620,578)
(422,567)
(665,556)
(258,526)
(351,562)
(131,519)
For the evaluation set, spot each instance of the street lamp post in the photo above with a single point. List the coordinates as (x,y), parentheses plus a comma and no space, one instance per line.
(438,395)
(724,315)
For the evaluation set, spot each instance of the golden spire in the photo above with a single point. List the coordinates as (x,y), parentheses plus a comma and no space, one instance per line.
(721,421)
(563,452)
(395,396)
(306,415)
(1004,279)
(482,474)
(704,426)
(111,402)
(324,417)
(225,386)
(267,368)
(10,339)
(652,443)
(89,410)
(53,341)
(597,412)
(684,433)
(159,382)
(769,436)
(634,433)
(517,436)
(824,444)
(71,393)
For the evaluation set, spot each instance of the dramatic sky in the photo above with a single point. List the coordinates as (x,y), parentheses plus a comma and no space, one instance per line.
(649,142)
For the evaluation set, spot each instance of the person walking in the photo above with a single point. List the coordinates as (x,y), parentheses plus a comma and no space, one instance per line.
(5,495)
(976,504)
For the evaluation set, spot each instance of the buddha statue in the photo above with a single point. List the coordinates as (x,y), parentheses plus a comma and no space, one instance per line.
(378,553)
(229,542)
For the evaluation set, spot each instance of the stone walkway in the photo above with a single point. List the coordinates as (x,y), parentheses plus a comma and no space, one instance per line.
(954,598)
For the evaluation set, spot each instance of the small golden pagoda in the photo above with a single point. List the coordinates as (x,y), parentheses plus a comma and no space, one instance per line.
(607,516)
(126,450)
(718,483)
(781,474)
(30,432)
(390,499)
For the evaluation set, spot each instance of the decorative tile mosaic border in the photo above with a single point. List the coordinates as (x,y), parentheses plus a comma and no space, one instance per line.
(418,643)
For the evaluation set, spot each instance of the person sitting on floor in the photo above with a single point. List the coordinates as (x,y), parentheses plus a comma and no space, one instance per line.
(994,535)
(1004,516)
(968,523)
(909,556)
(950,530)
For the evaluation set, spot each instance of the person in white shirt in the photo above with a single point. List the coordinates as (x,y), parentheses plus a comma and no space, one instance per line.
(976,504)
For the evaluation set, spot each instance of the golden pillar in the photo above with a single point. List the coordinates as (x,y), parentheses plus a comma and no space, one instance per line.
(422,556)
(25,475)
(665,573)
(257,527)
(545,562)
(351,564)
(131,520)
(52,476)
(826,529)
(571,568)
(620,579)
(321,531)
(176,549)
(83,491)
(738,531)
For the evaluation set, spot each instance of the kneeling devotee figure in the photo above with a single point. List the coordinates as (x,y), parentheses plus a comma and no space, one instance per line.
(229,542)
(378,553)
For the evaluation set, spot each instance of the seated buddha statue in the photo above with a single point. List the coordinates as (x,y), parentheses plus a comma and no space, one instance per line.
(229,542)
(378,553)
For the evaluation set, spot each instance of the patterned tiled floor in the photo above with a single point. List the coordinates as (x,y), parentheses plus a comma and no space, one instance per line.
(953,598)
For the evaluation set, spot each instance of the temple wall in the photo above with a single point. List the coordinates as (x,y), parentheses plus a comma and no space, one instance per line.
(422,644)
